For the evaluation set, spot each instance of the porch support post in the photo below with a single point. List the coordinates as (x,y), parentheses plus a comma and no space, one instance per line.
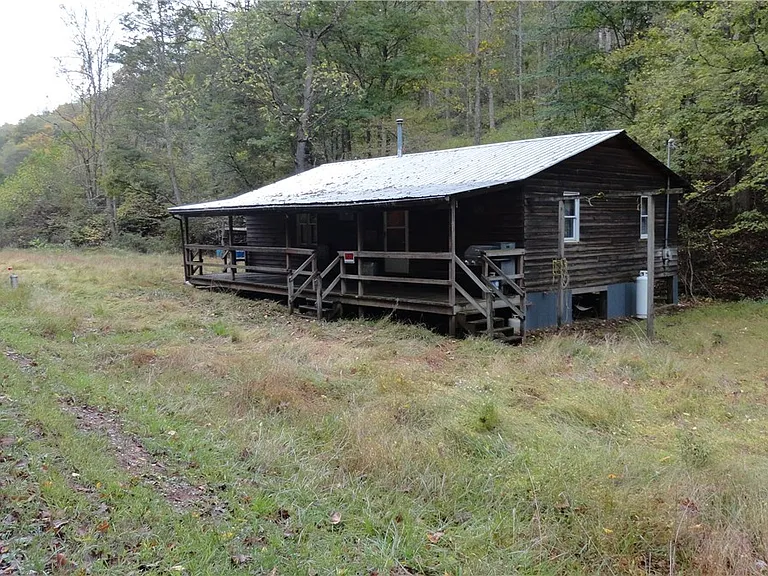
(359,260)
(287,241)
(318,286)
(184,248)
(184,241)
(289,278)
(649,328)
(452,268)
(489,298)
(232,253)
(561,257)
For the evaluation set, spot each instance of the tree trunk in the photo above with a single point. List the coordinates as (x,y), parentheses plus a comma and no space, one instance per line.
(520,59)
(171,161)
(478,72)
(111,211)
(368,149)
(302,133)
(383,135)
(447,110)
(491,111)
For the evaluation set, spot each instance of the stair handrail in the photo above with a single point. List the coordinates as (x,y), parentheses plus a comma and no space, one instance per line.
(334,263)
(295,273)
(295,293)
(468,272)
(502,276)
(503,297)
(471,300)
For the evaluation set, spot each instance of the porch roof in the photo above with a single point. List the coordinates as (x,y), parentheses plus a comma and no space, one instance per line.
(413,177)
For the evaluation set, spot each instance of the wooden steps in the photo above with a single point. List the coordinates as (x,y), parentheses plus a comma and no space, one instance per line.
(476,324)
(506,334)
(329,310)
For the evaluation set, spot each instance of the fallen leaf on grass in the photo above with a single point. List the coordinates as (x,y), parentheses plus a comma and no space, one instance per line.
(281,515)
(57,526)
(240,559)
(254,539)
(335,518)
(689,505)
(11,518)
(102,527)
(434,537)
(607,530)
(61,562)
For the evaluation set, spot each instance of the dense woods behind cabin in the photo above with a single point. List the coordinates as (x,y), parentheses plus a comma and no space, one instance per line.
(201,100)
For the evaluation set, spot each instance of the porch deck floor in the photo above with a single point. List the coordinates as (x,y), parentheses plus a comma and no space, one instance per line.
(378,295)
(422,298)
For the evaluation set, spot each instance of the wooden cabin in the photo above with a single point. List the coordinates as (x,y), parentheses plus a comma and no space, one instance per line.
(498,238)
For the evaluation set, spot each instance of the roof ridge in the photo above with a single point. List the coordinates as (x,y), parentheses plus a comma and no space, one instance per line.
(475,146)
(418,176)
(537,138)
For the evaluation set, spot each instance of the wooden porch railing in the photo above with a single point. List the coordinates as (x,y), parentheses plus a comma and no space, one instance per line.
(490,285)
(315,279)
(313,285)
(194,258)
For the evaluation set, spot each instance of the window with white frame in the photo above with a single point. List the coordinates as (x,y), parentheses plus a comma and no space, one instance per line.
(571,216)
(643,217)
(306,229)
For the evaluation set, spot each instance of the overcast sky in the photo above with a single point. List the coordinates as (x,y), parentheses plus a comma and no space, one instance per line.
(32,36)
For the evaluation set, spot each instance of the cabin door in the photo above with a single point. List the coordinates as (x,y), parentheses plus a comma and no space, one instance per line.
(396,240)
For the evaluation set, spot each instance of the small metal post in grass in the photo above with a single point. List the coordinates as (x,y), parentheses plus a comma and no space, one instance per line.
(14,278)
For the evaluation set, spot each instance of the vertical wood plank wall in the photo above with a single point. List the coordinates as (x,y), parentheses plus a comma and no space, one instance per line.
(493,217)
(609,250)
(265,229)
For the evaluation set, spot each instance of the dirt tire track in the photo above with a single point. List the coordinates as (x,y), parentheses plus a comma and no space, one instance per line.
(130,453)
(24,363)
(134,458)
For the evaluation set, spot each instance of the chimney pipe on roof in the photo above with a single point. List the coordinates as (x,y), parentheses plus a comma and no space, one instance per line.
(399,137)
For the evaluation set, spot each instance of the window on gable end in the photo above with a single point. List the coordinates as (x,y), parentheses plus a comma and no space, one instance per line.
(643,217)
(571,216)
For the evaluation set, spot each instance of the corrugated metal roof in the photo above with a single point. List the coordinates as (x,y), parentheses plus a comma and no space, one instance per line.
(418,176)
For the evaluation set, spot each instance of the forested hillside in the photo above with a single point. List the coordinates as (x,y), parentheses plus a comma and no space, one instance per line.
(208,100)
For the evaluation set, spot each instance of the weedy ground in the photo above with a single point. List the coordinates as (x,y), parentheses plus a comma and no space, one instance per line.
(151,428)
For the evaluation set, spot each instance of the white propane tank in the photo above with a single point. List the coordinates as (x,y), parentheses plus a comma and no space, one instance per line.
(641,295)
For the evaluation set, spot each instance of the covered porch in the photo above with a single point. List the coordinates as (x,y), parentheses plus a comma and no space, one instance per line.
(409,257)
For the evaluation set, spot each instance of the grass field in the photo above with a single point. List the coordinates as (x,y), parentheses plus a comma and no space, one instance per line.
(150,428)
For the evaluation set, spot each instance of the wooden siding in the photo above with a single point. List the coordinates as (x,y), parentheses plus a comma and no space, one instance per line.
(609,250)
(265,229)
(492,217)
(428,229)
